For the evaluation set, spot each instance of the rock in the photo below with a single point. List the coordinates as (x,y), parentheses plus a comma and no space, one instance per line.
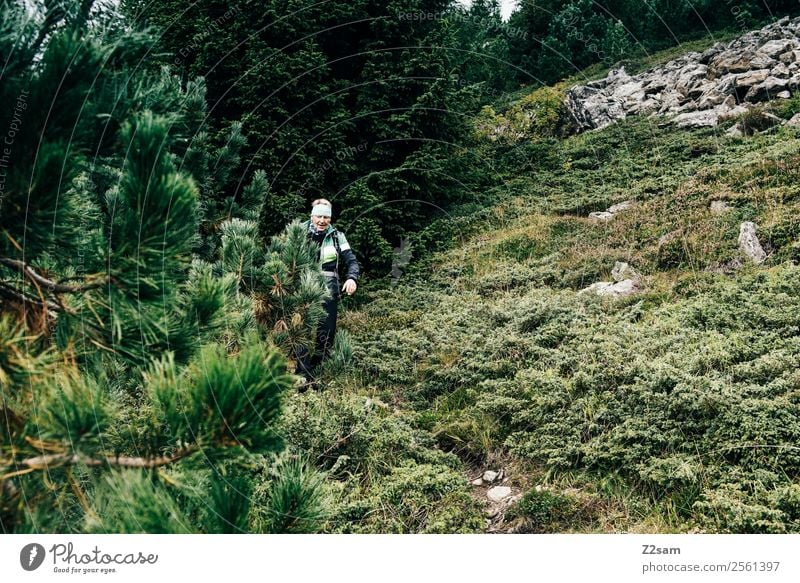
(697,89)
(697,119)
(619,207)
(601,216)
(477,482)
(795,121)
(774,48)
(498,493)
(783,95)
(768,88)
(790,57)
(734,132)
(489,476)
(749,243)
(623,271)
(719,207)
(619,289)
(751,78)
(710,99)
(780,71)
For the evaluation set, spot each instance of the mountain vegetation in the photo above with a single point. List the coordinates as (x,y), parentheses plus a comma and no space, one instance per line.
(154,282)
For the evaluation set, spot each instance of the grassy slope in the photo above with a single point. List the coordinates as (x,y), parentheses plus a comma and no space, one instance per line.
(673,410)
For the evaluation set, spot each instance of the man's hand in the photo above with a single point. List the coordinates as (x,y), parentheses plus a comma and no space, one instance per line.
(349,287)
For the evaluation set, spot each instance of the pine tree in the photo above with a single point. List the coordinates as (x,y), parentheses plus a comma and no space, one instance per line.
(136,392)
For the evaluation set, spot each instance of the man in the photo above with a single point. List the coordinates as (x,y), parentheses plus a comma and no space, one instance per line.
(333,250)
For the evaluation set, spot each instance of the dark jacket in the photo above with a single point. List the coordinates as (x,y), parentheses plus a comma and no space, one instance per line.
(334,250)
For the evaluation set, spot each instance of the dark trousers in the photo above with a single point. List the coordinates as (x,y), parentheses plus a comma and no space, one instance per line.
(307,362)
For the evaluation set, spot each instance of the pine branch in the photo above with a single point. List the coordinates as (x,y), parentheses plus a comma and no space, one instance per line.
(44,462)
(49,284)
(17,296)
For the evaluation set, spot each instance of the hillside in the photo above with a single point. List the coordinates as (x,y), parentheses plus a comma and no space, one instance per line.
(672,408)
(570,296)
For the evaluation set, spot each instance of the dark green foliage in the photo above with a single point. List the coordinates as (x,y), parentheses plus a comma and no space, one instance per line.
(244,393)
(544,511)
(132,502)
(353,102)
(385,476)
(293,500)
(115,418)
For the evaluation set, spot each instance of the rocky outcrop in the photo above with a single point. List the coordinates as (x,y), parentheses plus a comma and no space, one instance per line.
(749,243)
(611,211)
(626,282)
(698,89)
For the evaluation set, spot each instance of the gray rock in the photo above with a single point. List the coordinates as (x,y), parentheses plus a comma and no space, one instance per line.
(697,119)
(477,482)
(790,57)
(795,121)
(490,476)
(619,207)
(697,89)
(774,48)
(768,88)
(601,216)
(749,243)
(783,95)
(498,493)
(619,289)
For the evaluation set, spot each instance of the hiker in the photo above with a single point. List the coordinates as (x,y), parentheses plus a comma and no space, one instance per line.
(333,249)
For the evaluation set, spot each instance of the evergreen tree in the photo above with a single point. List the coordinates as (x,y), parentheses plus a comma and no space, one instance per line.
(136,393)
(363,103)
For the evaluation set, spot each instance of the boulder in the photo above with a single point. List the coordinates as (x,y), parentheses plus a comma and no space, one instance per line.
(767,89)
(619,207)
(774,48)
(697,89)
(697,119)
(795,121)
(601,216)
(498,493)
(749,243)
(490,476)
(619,289)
